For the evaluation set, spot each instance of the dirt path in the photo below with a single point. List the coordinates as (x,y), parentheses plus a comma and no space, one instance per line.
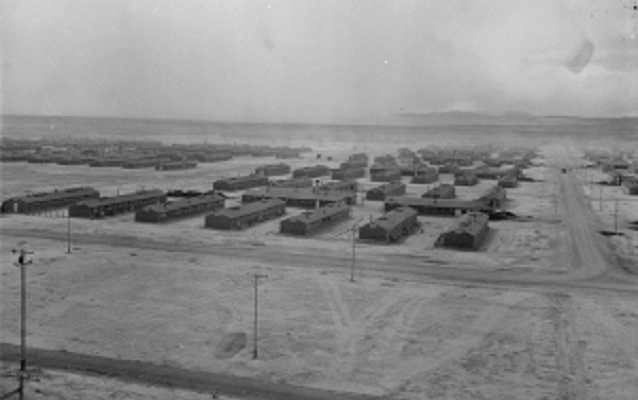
(162,375)
(411,268)
(569,356)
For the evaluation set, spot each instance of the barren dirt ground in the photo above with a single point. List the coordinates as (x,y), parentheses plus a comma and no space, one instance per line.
(55,385)
(380,335)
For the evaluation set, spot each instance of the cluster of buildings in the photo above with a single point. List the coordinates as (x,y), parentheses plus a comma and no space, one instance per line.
(264,199)
(131,154)
(620,166)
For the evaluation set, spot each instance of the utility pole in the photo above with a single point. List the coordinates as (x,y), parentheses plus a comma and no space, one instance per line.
(256,280)
(68,230)
(22,263)
(616,216)
(600,187)
(354,255)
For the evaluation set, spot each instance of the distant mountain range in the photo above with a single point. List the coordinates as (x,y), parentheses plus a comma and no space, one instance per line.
(477,118)
(407,119)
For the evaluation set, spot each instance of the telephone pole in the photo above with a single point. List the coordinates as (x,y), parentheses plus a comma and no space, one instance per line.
(354,254)
(616,216)
(256,283)
(22,263)
(68,230)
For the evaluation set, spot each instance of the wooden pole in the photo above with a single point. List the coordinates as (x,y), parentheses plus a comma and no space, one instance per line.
(22,375)
(23,324)
(616,216)
(354,255)
(68,234)
(256,283)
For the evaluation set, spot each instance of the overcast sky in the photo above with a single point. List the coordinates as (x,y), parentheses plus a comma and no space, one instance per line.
(319,60)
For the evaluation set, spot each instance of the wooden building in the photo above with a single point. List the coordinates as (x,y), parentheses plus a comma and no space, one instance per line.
(359,160)
(140,164)
(245,215)
(495,196)
(508,181)
(240,182)
(273,169)
(312,221)
(311,172)
(386,159)
(188,206)
(442,191)
(386,175)
(448,168)
(465,179)
(392,226)
(300,197)
(426,206)
(631,186)
(384,191)
(467,232)
(292,183)
(36,202)
(176,165)
(495,173)
(109,206)
(339,186)
(425,176)
(348,174)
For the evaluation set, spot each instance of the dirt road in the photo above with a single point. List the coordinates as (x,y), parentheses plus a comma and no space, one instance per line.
(162,375)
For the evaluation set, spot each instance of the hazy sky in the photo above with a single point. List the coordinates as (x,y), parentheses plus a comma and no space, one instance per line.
(319,60)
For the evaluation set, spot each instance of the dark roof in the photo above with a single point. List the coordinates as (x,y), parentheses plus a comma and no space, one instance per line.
(388,186)
(393,218)
(314,167)
(337,185)
(247,208)
(61,194)
(141,195)
(472,222)
(244,178)
(437,203)
(438,190)
(493,191)
(297,193)
(273,166)
(182,203)
(319,213)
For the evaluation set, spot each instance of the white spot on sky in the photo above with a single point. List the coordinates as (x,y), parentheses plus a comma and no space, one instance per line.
(385,61)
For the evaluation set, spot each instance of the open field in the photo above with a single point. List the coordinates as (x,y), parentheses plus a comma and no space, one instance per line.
(179,295)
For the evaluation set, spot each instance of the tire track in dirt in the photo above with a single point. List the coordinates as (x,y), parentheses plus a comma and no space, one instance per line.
(384,328)
(569,355)
(344,325)
(622,347)
(483,324)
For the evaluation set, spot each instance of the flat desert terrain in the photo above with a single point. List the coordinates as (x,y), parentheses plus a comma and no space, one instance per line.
(547,309)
